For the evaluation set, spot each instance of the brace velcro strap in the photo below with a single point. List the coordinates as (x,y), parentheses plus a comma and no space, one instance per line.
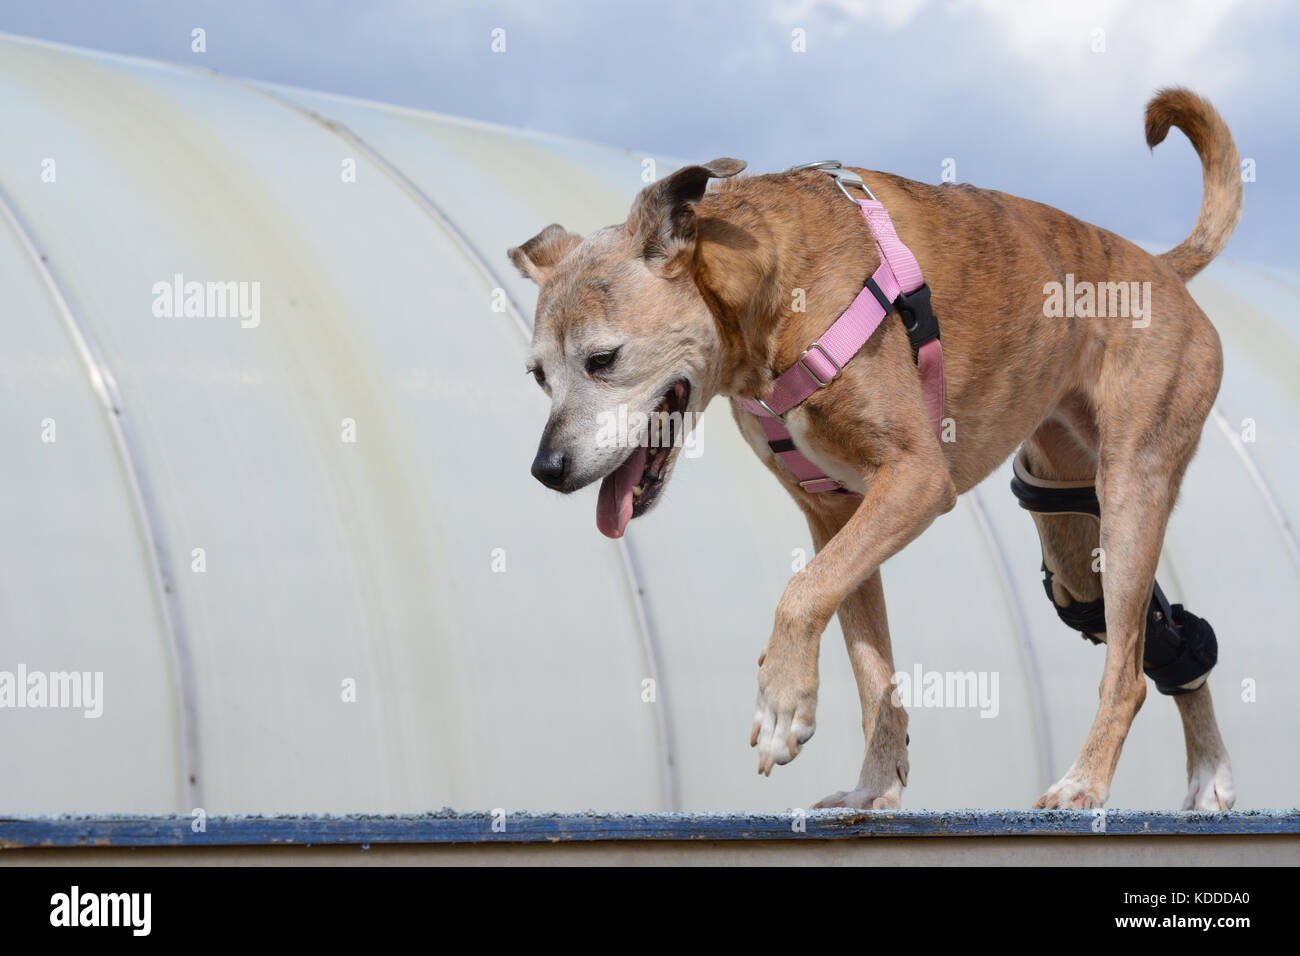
(1086,617)
(1047,500)
(1180,648)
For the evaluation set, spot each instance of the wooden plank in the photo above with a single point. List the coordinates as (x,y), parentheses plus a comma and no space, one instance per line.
(528,827)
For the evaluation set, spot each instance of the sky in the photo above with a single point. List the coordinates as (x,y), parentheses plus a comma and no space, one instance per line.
(1039,98)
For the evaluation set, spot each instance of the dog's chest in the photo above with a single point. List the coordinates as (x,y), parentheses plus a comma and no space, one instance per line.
(796,422)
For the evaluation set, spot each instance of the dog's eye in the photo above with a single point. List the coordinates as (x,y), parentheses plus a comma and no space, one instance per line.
(537,373)
(601,361)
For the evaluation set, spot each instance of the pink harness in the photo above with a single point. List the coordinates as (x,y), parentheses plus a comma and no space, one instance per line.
(896,284)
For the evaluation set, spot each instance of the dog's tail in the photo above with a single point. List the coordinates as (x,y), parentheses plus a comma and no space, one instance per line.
(1221,205)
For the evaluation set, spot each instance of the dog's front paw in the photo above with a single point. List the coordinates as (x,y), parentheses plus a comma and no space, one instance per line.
(880,787)
(787,707)
(1072,792)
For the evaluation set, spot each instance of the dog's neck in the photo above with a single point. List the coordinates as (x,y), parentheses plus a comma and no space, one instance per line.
(763,254)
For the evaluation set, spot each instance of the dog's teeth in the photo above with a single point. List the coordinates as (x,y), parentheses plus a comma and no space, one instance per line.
(636,491)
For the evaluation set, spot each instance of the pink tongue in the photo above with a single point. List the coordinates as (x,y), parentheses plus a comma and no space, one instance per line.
(614,507)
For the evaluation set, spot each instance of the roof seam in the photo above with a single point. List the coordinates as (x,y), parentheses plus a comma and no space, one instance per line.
(148,520)
(1029,660)
(1279,517)
(669,791)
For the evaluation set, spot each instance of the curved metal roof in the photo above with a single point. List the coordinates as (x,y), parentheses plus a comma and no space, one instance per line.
(378,561)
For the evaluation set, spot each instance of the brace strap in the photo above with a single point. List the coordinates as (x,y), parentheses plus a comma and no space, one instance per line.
(1179,649)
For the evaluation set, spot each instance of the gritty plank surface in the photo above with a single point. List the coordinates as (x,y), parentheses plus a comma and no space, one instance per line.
(477,827)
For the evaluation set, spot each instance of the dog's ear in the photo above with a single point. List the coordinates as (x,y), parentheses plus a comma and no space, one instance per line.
(537,258)
(662,221)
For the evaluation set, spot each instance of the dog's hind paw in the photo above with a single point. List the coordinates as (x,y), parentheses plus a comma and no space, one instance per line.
(1209,787)
(859,800)
(1072,793)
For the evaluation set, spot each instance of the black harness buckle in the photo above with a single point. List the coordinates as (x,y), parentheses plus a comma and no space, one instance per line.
(919,320)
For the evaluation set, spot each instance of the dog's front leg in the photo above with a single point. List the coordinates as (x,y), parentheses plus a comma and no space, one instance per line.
(884,722)
(903,497)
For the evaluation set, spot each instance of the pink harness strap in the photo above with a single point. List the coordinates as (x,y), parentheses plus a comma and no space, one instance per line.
(899,274)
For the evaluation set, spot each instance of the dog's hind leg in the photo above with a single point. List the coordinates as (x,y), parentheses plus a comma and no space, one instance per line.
(1070,563)
(1209,773)
(1135,503)
(1143,450)
(884,725)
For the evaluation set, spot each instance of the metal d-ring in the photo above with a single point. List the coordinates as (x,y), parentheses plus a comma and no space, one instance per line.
(844,177)
(835,169)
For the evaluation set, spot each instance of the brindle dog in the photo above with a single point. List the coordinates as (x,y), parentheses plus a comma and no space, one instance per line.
(693,296)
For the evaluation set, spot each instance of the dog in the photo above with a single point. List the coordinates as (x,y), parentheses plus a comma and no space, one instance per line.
(696,295)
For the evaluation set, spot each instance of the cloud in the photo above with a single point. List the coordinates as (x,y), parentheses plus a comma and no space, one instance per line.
(1011,89)
(888,13)
(1080,53)
(1155,41)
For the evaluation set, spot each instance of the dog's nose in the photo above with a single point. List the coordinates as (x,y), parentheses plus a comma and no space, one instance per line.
(549,467)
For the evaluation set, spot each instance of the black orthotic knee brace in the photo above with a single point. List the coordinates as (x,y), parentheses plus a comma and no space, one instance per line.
(1180,648)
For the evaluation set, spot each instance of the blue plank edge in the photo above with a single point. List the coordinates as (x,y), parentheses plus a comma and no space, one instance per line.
(478,827)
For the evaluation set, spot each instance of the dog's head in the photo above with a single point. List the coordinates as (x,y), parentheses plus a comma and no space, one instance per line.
(624,344)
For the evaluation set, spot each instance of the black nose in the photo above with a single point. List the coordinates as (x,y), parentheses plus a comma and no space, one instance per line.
(549,467)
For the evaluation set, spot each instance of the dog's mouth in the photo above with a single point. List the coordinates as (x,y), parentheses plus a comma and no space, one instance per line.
(631,489)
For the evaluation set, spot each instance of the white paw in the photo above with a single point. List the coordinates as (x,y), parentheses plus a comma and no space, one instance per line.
(863,799)
(785,718)
(1072,792)
(1209,787)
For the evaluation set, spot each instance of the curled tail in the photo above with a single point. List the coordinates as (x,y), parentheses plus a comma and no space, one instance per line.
(1221,204)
